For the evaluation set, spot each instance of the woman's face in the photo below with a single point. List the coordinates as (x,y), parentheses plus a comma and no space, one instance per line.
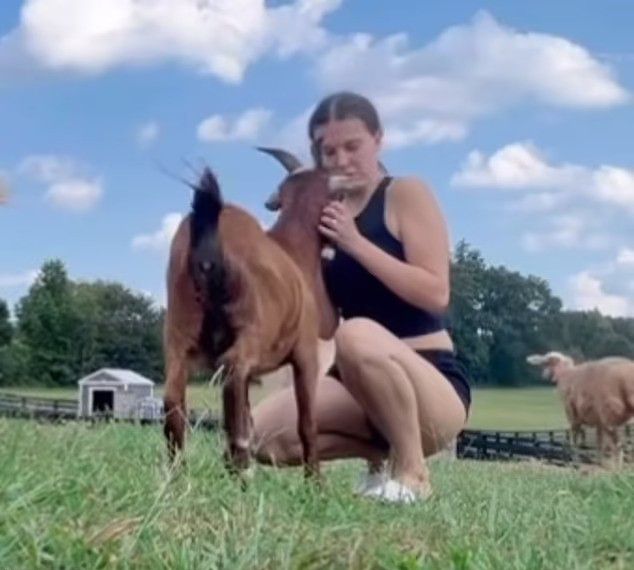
(347,148)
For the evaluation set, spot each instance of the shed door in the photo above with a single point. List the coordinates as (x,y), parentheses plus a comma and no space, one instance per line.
(103,400)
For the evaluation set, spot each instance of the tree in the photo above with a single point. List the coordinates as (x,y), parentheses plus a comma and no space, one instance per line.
(48,327)
(469,326)
(119,328)
(498,317)
(6,328)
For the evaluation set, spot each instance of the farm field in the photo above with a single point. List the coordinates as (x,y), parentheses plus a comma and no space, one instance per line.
(493,408)
(101,496)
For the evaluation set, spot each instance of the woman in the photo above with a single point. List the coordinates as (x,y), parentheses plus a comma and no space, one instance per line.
(396,390)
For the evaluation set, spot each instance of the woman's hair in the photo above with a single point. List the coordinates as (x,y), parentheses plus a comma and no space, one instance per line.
(340,106)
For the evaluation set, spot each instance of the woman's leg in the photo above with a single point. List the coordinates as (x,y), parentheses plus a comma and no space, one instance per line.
(414,406)
(343,430)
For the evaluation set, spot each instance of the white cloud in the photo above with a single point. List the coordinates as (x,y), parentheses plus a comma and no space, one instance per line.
(625,257)
(75,194)
(521,166)
(147,133)
(18,279)
(48,168)
(221,37)
(588,293)
(68,187)
(467,72)
(566,231)
(246,126)
(4,188)
(159,241)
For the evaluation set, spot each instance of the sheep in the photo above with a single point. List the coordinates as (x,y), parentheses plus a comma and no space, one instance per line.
(249,301)
(597,393)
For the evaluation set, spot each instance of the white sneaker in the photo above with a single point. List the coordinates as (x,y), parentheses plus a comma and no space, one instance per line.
(391,491)
(369,481)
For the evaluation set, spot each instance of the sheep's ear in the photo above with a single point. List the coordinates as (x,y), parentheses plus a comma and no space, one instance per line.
(273,203)
(536,359)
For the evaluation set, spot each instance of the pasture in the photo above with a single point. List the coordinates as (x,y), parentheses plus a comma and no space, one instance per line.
(493,408)
(101,496)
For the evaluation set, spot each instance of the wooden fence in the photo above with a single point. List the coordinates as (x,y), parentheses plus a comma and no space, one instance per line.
(552,446)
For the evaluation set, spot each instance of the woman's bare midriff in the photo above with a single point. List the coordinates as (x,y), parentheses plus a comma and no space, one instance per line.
(439,340)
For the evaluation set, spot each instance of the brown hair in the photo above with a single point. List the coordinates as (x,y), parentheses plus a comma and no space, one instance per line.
(340,106)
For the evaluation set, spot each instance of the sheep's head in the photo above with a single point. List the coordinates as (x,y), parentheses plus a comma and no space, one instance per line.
(553,364)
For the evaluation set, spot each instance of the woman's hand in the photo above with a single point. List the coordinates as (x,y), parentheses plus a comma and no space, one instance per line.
(338,226)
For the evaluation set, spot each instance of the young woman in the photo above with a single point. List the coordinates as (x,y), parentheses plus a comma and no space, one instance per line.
(396,390)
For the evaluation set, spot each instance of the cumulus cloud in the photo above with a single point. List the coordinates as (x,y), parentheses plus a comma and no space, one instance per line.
(588,293)
(567,231)
(8,280)
(521,166)
(219,37)
(625,257)
(68,187)
(467,72)
(247,126)
(4,188)
(147,133)
(159,240)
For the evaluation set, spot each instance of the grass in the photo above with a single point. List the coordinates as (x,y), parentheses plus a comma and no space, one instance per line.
(80,496)
(493,408)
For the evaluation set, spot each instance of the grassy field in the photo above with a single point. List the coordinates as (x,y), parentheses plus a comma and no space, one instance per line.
(79,496)
(526,408)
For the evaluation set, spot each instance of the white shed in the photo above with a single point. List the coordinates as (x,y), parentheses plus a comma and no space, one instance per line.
(114,390)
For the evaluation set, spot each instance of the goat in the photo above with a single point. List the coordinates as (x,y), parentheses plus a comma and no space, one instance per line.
(597,393)
(250,301)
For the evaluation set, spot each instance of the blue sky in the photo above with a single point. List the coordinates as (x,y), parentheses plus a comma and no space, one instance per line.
(519,115)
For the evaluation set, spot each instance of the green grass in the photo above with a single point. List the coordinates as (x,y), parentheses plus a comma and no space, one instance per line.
(521,408)
(517,409)
(79,496)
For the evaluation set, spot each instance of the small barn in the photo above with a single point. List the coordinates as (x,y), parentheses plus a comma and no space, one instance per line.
(116,391)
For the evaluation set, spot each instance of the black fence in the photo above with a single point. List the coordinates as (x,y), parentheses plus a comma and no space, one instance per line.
(552,446)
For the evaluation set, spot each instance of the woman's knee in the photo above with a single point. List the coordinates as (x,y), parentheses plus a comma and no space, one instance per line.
(356,342)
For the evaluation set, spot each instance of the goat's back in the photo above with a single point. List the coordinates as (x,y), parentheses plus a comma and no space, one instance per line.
(270,297)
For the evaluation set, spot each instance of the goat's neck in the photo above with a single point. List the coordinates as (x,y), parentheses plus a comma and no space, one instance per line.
(303,243)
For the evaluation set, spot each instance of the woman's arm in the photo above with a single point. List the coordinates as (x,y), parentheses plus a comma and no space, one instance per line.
(423,279)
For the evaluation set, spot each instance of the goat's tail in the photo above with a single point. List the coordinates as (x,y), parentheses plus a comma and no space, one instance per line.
(208,265)
(206,205)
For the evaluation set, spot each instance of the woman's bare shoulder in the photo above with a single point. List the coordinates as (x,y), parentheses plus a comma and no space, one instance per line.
(408,190)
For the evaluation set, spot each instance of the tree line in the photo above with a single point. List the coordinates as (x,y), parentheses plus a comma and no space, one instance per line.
(65,329)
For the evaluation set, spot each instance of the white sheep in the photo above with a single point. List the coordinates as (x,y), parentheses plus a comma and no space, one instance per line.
(597,393)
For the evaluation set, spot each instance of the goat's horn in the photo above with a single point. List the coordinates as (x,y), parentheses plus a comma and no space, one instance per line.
(288,161)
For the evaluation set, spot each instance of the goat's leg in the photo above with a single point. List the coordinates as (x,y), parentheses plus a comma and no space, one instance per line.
(305,375)
(175,408)
(236,419)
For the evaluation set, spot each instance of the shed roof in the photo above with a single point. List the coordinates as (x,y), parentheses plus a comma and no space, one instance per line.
(119,375)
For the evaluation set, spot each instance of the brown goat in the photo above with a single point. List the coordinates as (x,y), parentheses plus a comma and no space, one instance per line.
(250,301)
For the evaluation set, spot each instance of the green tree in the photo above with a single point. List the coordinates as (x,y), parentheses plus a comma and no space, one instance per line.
(6,328)
(48,327)
(470,326)
(119,328)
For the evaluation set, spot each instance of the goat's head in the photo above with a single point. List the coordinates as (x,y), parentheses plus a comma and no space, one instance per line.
(304,192)
(308,188)
(553,363)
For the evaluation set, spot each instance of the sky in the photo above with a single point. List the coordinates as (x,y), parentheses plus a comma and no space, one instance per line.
(519,116)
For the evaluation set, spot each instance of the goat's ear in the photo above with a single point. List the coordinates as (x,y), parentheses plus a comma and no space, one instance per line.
(273,203)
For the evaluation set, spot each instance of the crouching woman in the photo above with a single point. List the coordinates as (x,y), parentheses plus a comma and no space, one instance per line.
(396,391)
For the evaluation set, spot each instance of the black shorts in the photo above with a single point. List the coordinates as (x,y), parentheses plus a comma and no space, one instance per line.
(446,362)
